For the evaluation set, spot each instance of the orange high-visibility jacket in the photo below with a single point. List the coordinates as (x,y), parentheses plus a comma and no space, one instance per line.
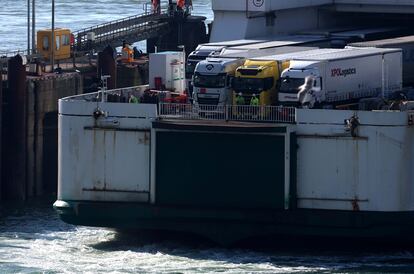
(180,3)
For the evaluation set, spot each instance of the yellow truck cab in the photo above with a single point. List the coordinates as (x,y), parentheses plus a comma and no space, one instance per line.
(62,43)
(259,77)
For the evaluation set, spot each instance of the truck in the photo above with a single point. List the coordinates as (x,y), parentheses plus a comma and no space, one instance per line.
(205,50)
(212,80)
(238,48)
(406,43)
(261,75)
(343,76)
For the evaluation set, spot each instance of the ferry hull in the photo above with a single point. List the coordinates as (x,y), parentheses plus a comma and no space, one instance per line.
(229,226)
(231,180)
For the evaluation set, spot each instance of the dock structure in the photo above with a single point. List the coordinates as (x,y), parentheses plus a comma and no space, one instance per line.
(134,28)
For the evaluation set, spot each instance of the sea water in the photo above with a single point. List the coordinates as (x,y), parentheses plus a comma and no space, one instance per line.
(34,240)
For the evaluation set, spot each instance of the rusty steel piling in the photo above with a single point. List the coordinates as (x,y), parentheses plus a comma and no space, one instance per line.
(16,149)
(107,66)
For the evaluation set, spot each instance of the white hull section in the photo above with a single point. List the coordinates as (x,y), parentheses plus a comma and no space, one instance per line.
(371,172)
(109,159)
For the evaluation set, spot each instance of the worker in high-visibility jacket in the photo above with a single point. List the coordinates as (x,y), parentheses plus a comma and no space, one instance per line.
(180,4)
(240,99)
(156,6)
(254,101)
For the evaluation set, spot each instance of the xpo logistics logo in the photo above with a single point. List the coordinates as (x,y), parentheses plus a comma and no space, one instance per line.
(337,72)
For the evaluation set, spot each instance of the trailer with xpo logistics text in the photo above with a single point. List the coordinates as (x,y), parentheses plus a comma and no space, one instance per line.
(344,75)
(261,75)
(406,43)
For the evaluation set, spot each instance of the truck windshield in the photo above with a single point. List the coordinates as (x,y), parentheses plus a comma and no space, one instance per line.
(252,85)
(210,81)
(291,85)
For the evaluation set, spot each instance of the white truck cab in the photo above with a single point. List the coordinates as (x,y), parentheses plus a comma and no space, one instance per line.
(212,81)
(293,77)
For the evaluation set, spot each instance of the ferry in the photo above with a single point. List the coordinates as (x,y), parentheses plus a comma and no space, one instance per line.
(230,172)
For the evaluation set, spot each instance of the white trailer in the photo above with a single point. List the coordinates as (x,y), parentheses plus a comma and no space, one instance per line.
(280,41)
(406,43)
(168,67)
(344,75)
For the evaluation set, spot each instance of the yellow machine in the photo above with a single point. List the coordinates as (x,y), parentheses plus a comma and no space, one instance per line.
(62,43)
(259,77)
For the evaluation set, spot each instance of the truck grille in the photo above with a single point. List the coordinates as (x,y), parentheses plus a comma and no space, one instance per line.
(208,101)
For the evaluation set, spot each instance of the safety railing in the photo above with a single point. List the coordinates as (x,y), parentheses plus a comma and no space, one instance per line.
(275,114)
(120,95)
(118,28)
(142,31)
(24,53)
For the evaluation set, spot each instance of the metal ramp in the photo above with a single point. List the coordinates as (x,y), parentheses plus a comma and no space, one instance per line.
(132,29)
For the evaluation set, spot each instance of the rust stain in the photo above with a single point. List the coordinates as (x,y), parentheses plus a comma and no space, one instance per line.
(355,205)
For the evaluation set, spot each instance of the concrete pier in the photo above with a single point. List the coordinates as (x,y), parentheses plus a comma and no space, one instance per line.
(29,130)
(43,94)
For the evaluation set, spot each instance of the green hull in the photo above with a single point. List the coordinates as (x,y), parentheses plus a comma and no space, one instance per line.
(228,226)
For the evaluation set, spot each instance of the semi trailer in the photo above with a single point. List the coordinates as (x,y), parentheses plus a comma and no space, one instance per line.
(238,49)
(406,43)
(213,77)
(261,75)
(345,75)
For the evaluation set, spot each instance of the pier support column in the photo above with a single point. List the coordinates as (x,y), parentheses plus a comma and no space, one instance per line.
(107,66)
(1,127)
(15,185)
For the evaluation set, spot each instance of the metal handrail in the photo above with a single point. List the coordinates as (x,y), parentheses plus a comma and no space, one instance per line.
(245,113)
(81,35)
(96,96)
(145,28)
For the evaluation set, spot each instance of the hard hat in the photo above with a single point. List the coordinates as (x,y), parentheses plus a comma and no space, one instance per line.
(254,94)
(240,94)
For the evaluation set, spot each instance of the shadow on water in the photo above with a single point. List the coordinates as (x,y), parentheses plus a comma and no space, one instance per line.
(325,257)
(33,216)
(36,222)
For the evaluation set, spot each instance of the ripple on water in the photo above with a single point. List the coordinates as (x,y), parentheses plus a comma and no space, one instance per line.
(71,14)
(34,240)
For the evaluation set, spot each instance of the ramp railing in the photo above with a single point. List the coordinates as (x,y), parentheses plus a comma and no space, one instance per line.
(275,114)
(117,30)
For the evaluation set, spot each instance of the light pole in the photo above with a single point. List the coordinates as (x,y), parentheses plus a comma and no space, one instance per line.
(33,27)
(52,44)
(182,74)
(28,26)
